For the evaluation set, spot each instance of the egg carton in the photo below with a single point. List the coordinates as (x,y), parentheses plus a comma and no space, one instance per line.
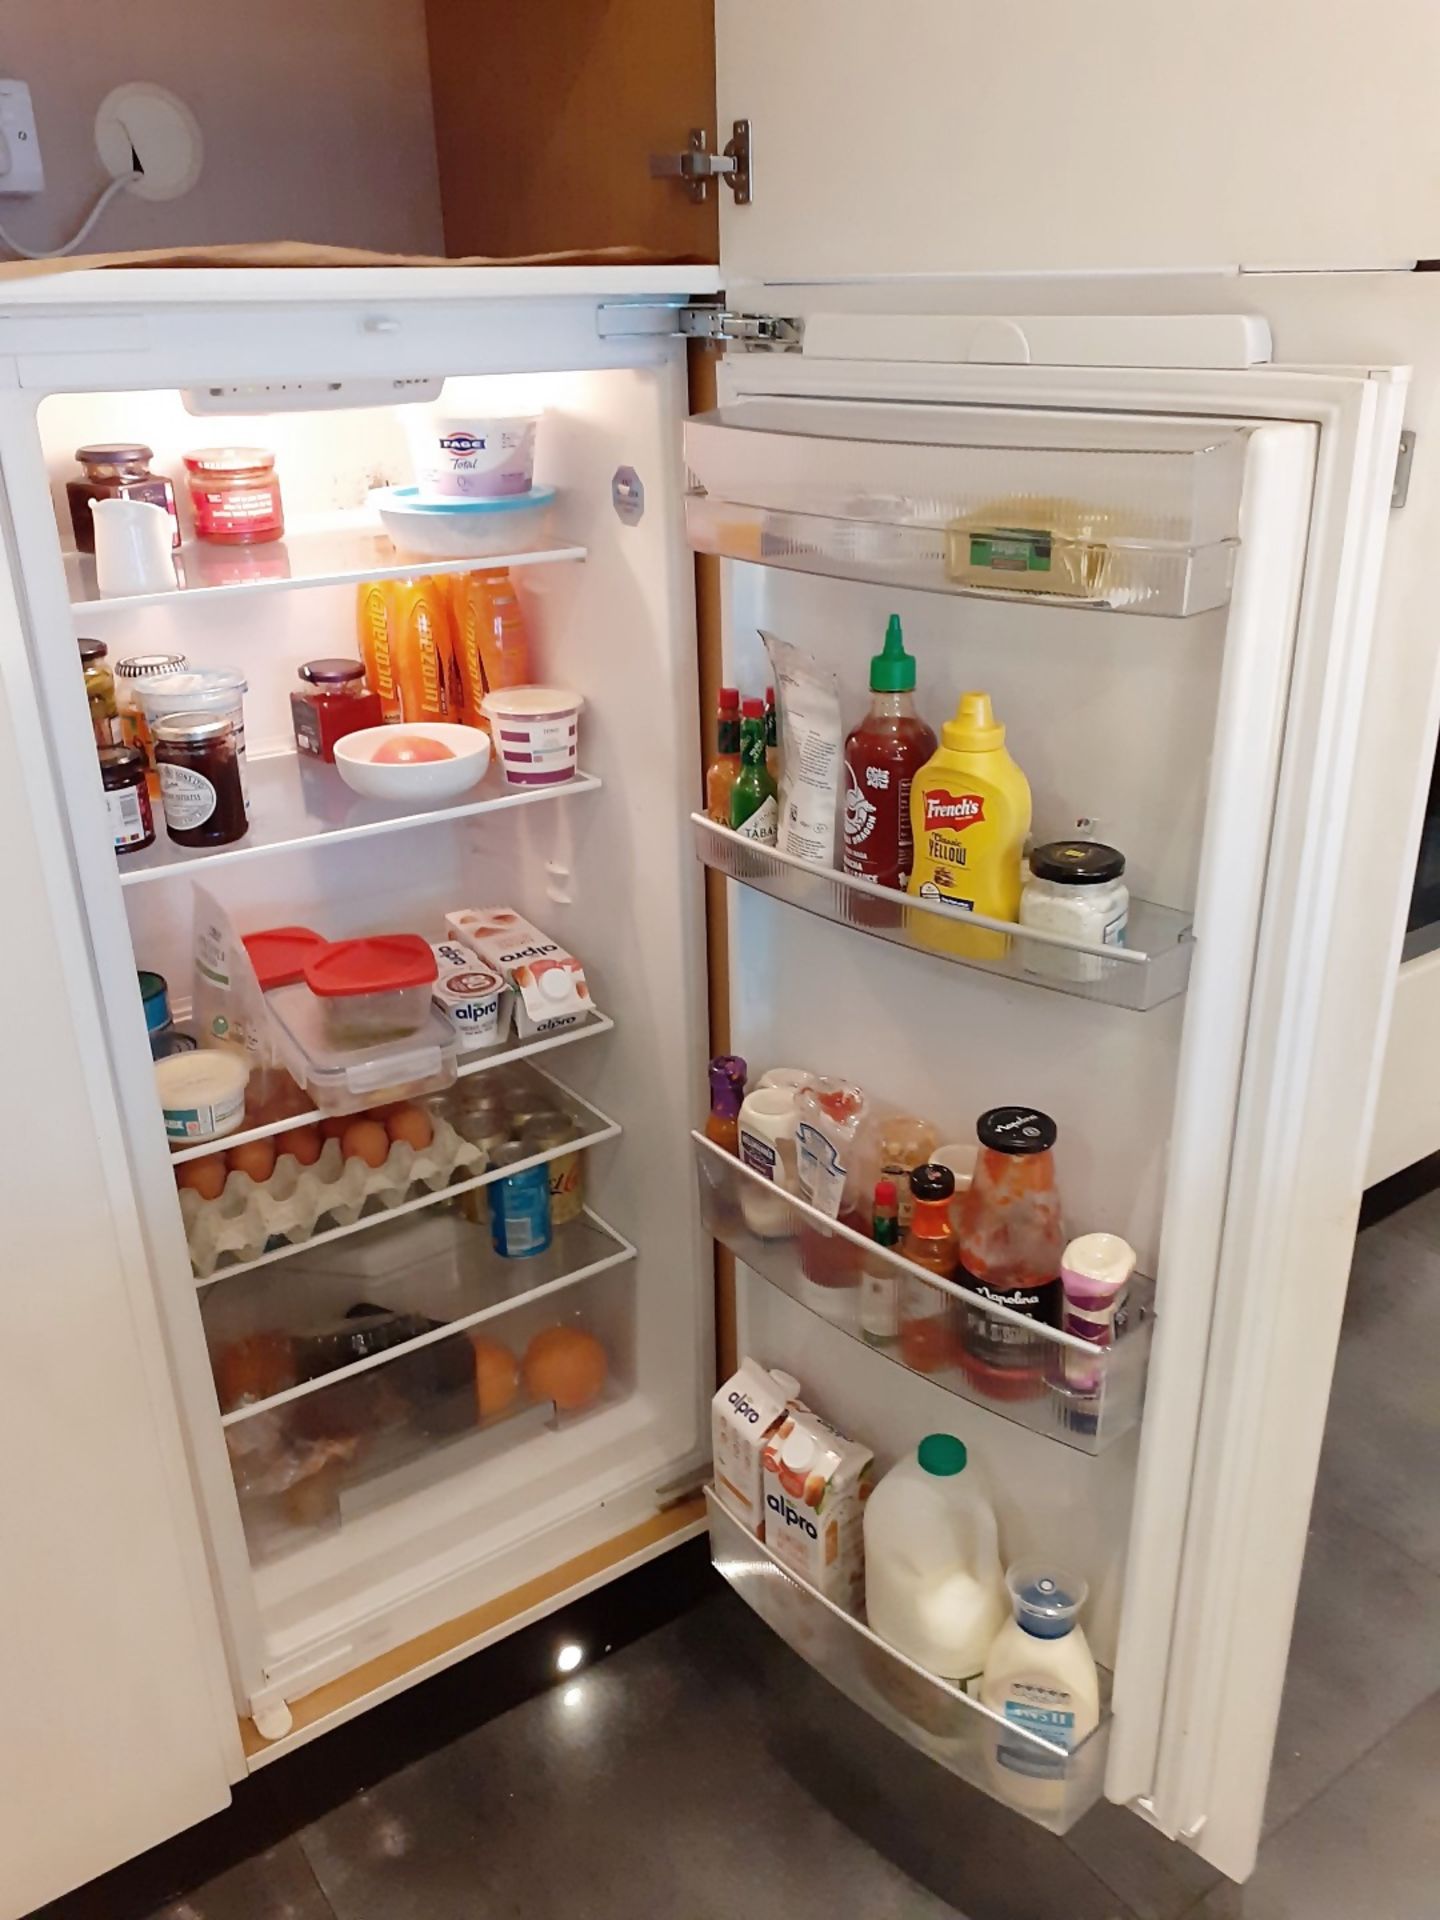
(251,1217)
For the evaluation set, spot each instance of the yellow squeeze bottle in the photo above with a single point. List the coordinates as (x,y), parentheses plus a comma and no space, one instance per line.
(969,814)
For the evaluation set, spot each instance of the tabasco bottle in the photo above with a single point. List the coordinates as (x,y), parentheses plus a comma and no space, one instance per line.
(754,806)
(927,1316)
(882,756)
(724,769)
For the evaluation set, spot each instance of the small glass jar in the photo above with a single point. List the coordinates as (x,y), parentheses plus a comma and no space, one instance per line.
(199,766)
(134,726)
(100,692)
(1075,889)
(235,495)
(332,702)
(127,798)
(115,473)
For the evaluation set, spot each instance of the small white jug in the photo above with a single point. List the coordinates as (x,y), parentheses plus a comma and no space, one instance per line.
(132,547)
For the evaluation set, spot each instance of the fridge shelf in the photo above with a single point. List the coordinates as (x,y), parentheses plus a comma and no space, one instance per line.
(299,802)
(472,1063)
(1045,1782)
(427,1279)
(381,1436)
(1151,969)
(335,1198)
(353,549)
(1078,510)
(1054,1384)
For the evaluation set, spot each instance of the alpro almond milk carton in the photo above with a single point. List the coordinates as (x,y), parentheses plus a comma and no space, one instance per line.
(816,1482)
(743,1415)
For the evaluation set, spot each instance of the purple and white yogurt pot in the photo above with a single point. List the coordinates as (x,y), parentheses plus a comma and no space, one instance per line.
(474,457)
(535,731)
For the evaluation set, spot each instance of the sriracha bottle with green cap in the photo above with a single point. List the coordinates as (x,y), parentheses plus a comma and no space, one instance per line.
(882,756)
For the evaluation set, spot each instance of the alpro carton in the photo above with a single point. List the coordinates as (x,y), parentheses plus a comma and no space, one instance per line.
(743,1415)
(816,1482)
(550,988)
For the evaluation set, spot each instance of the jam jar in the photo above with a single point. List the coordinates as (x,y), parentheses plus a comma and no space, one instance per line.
(198,760)
(332,701)
(117,472)
(127,798)
(235,494)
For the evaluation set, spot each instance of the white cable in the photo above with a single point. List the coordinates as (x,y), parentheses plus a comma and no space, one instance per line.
(117,185)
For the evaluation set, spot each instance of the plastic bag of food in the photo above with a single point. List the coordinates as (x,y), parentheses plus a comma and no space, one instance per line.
(812,742)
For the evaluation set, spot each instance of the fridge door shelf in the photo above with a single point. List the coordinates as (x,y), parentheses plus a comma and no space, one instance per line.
(1045,1782)
(430,1278)
(248,1227)
(349,548)
(476,1061)
(1079,510)
(296,801)
(1083,1396)
(1152,968)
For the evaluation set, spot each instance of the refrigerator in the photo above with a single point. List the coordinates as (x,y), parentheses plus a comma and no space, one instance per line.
(1241,698)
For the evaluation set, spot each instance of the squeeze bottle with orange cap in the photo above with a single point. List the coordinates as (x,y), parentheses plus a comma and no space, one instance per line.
(969,815)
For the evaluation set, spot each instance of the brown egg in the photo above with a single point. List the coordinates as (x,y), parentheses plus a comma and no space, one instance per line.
(302,1143)
(365,1140)
(205,1176)
(334,1125)
(412,1125)
(255,1157)
(497,1376)
(566,1365)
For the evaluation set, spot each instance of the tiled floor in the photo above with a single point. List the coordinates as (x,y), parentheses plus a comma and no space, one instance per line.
(703,1771)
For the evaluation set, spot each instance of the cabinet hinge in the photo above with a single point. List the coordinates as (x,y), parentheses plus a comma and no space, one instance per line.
(764,332)
(1404,460)
(696,166)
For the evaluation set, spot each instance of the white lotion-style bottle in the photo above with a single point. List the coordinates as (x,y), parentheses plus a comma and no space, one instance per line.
(1040,1678)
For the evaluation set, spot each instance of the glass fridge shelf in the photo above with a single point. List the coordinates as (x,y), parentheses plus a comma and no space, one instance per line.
(1076,510)
(1055,1384)
(1039,1779)
(1151,968)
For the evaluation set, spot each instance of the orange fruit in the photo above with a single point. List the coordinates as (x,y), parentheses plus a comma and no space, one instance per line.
(497,1376)
(566,1365)
(409,749)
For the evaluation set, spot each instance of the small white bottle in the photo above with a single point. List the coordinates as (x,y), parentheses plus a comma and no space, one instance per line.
(1040,1677)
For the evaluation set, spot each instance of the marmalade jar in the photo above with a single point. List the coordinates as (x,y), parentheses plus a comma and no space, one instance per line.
(119,472)
(1011,1240)
(235,494)
(333,701)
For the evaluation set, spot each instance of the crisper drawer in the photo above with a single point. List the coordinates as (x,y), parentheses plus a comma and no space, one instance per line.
(1048,1783)
(1135,515)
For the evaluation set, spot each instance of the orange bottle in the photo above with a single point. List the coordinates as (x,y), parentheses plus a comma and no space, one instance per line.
(493,644)
(373,628)
(927,1316)
(422,648)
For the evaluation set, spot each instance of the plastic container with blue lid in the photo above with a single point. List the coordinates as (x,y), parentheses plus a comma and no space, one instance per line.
(465,529)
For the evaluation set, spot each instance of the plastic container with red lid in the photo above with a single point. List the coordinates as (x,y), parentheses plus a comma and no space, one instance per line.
(372,990)
(278,954)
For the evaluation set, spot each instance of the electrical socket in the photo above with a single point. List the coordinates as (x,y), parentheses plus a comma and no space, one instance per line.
(21,171)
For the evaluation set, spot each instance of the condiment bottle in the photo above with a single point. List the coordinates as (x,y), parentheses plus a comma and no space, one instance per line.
(724,769)
(200,788)
(969,815)
(235,495)
(880,1281)
(118,472)
(904,1144)
(882,756)
(727,1091)
(1011,1241)
(134,725)
(332,701)
(754,804)
(100,692)
(927,1337)
(127,799)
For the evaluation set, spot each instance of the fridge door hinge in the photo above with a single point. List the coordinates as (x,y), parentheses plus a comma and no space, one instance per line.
(1404,460)
(759,332)
(696,166)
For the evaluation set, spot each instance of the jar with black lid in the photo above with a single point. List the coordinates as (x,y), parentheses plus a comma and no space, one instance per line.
(116,470)
(127,799)
(197,758)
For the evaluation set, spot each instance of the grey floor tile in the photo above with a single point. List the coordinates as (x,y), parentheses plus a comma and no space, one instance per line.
(1368,1847)
(275,1885)
(1365,1653)
(1157,1878)
(700,1773)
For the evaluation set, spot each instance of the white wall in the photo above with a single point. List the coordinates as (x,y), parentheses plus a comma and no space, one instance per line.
(316,116)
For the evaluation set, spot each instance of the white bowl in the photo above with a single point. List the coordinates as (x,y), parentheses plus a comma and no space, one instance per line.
(417,780)
(465,529)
